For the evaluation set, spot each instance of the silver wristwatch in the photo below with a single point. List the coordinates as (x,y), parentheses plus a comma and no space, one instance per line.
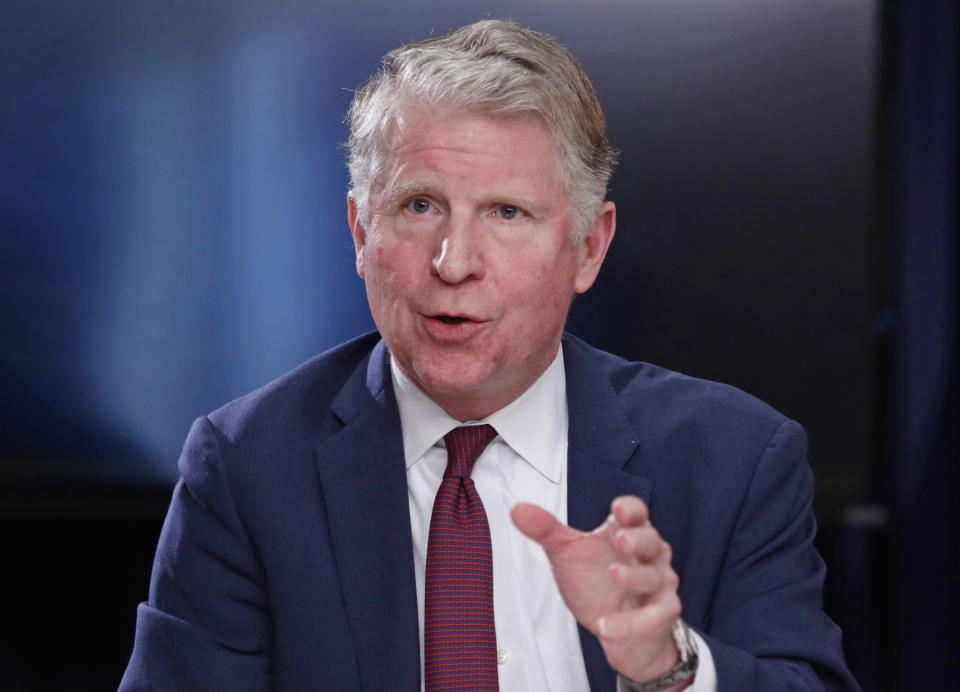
(684,670)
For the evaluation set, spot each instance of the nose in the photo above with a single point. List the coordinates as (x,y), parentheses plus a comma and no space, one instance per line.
(459,256)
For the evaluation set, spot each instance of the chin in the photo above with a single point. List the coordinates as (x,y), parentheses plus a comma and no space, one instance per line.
(459,376)
(459,381)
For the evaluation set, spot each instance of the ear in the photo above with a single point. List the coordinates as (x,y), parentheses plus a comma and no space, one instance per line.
(358,232)
(593,249)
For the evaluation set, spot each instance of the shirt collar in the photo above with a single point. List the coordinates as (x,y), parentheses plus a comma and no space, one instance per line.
(534,424)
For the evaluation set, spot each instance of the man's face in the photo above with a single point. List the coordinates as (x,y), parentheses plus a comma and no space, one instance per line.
(467,257)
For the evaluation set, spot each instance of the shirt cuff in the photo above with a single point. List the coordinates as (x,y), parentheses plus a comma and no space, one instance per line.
(706,678)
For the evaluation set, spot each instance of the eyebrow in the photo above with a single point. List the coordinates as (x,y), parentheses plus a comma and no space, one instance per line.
(398,193)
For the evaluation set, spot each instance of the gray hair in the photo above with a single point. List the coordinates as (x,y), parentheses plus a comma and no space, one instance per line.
(497,68)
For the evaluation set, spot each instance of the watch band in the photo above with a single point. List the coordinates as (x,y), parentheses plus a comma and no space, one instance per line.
(684,670)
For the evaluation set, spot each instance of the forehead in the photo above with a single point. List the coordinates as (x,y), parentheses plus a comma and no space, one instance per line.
(475,147)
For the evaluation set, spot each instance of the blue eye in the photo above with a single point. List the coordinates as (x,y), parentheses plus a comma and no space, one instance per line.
(420,206)
(508,212)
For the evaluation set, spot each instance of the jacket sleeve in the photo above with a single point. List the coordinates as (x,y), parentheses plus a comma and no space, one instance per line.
(767,629)
(206,625)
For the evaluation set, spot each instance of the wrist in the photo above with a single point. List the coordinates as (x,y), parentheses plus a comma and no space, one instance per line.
(663,661)
(675,676)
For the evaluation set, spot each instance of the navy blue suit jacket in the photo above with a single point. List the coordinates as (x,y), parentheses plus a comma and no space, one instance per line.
(286,562)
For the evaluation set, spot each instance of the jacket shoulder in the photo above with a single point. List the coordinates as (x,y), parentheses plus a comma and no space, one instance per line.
(298,401)
(640,380)
(661,403)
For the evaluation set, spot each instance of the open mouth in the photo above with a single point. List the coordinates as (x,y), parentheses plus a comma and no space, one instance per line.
(447,319)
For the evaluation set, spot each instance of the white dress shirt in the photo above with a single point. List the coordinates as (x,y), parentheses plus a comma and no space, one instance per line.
(537,640)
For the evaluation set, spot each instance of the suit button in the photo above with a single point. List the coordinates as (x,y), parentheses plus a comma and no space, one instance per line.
(502,656)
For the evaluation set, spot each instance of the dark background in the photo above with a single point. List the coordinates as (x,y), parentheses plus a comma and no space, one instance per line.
(172,235)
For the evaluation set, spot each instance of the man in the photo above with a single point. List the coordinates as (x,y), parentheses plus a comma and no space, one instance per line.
(365,521)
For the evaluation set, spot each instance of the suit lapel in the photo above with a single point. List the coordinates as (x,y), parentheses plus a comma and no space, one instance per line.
(364,485)
(601,441)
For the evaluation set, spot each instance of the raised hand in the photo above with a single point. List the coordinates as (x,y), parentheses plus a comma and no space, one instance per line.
(617,582)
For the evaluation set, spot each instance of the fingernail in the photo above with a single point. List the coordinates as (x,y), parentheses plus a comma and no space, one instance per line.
(602,626)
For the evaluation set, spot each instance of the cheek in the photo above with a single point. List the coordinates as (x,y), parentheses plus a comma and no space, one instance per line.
(545,298)
(548,281)
(546,288)
(388,271)
(527,274)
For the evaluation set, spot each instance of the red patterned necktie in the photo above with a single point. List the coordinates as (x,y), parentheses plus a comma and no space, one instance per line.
(460,641)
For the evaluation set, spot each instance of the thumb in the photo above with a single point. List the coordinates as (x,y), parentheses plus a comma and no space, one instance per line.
(539,525)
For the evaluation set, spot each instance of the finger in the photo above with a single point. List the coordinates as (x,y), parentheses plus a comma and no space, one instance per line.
(656,615)
(629,510)
(539,525)
(644,579)
(643,543)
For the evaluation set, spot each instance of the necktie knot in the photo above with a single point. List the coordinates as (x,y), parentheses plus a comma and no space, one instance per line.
(464,446)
